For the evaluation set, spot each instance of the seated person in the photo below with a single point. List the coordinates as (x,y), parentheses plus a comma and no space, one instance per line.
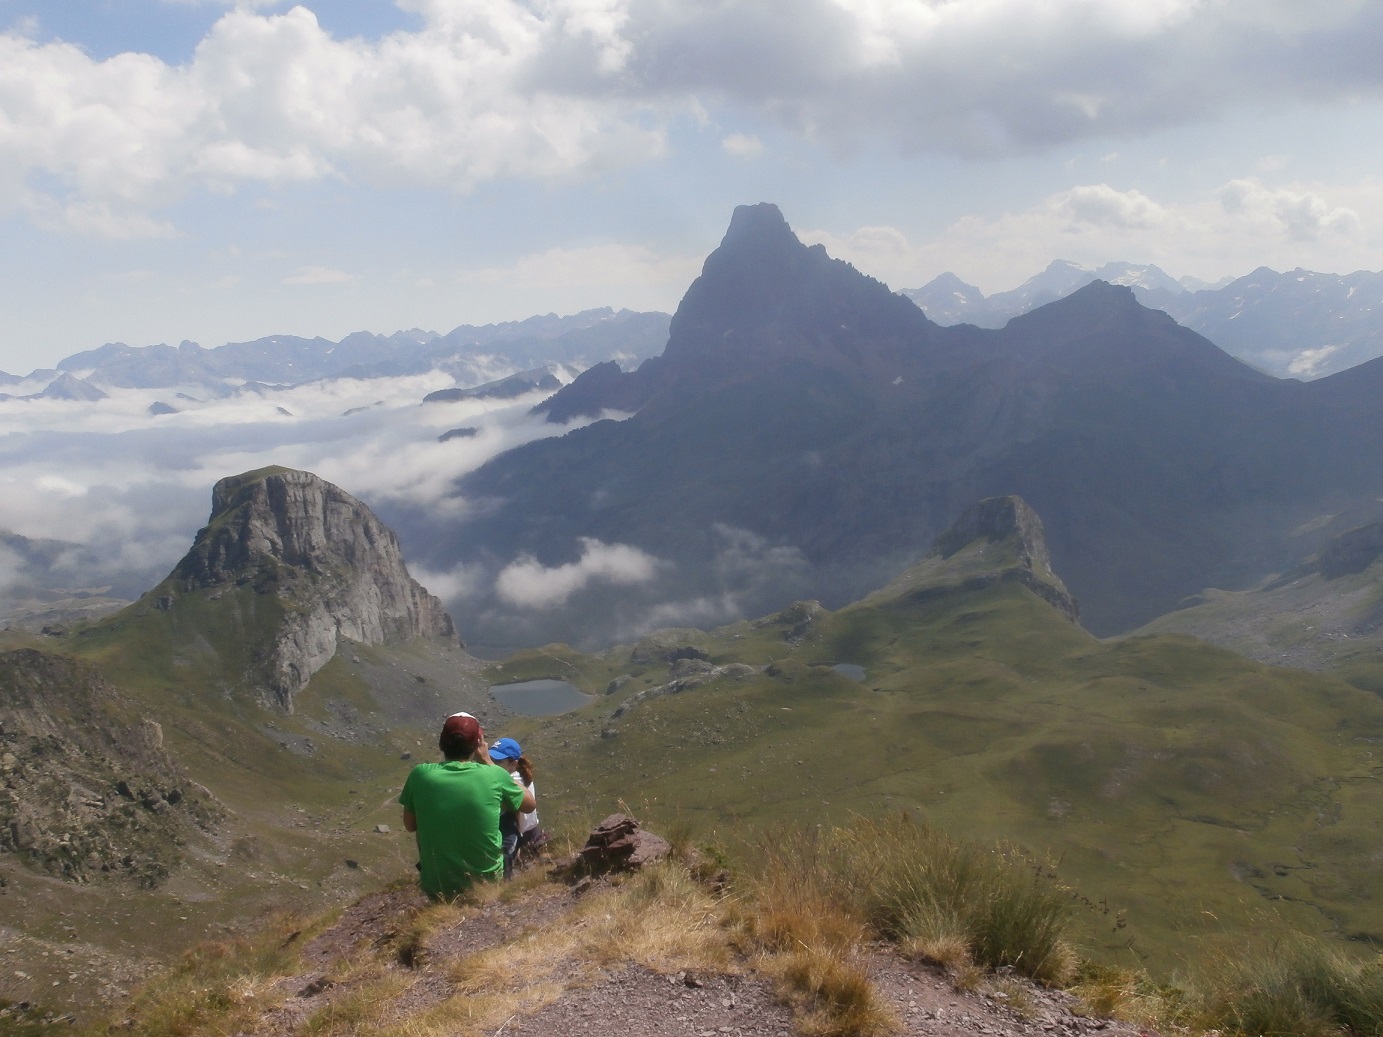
(455,807)
(520,829)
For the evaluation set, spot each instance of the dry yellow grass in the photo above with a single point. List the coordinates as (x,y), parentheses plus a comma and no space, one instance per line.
(803,922)
(950,951)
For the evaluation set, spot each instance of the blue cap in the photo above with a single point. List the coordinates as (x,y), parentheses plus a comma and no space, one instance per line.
(505,749)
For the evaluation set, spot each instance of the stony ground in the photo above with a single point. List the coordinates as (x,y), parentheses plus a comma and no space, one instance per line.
(635,1001)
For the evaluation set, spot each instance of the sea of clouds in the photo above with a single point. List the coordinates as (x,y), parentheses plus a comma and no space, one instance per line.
(133,488)
(124,492)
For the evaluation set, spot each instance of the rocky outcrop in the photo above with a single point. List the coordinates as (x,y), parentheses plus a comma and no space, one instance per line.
(995,540)
(87,790)
(616,844)
(686,674)
(995,519)
(1352,551)
(798,619)
(540,378)
(337,570)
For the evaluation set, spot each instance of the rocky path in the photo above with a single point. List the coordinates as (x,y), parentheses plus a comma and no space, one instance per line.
(635,1001)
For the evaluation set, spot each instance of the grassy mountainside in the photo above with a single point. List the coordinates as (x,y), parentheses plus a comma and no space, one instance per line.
(1195,792)
(1187,793)
(299,795)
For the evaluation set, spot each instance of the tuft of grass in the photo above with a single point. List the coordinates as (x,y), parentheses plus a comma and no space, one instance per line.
(217,981)
(659,918)
(361,1010)
(831,993)
(1128,994)
(950,902)
(811,938)
(1293,985)
(1002,905)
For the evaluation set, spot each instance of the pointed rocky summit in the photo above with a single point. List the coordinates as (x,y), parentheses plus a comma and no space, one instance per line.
(334,567)
(998,539)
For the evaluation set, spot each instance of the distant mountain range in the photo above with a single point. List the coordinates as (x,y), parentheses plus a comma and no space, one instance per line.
(807,431)
(799,430)
(467,353)
(1294,325)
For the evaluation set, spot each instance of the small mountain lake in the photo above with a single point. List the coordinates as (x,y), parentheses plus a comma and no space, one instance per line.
(540,698)
(855,673)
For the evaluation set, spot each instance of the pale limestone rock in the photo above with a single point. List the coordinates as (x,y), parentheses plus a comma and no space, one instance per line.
(338,570)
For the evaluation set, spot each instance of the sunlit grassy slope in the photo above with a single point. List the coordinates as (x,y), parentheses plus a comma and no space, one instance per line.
(1186,792)
(306,791)
(1195,792)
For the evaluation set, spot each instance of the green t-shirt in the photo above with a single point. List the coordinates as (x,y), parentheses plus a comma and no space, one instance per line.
(457,805)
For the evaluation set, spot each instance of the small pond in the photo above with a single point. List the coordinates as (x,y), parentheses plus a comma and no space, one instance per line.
(855,673)
(540,698)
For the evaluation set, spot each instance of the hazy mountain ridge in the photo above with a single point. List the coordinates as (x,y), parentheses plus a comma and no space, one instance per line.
(583,338)
(1298,324)
(804,404)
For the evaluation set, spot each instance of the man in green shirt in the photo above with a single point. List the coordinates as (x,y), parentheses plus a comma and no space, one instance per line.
(454,808)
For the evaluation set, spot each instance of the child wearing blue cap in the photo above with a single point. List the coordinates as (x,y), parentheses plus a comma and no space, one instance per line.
(518,831)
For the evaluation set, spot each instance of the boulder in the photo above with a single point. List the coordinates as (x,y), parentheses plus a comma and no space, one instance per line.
(616,844)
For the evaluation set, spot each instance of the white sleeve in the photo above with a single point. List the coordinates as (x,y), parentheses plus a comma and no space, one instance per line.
(527,822)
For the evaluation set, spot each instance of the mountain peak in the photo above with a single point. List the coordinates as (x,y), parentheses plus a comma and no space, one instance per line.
(758,224)
(997,519)
(995,540)
(337,571)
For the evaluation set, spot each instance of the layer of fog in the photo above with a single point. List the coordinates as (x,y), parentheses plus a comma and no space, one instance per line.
(127,490)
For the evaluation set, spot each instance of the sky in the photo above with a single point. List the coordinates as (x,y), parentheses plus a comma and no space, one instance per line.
(217,171)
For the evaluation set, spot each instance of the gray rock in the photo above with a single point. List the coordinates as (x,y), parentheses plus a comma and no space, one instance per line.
(339,570)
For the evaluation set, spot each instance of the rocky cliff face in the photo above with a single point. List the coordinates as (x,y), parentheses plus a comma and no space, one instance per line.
(336,568)
(995,540)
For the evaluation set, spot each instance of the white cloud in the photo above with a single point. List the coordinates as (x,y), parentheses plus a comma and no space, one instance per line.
(703,612)
(11,565)
(57,485)
(134,489)
(1304,214)
(1102,206)
(573,279)
(1307,363)
(461,582)
(527,583)
(274,98)
(493,89)
(743,145)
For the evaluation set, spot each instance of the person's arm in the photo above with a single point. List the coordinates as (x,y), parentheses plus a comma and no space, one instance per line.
(410,821)
(530,802)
